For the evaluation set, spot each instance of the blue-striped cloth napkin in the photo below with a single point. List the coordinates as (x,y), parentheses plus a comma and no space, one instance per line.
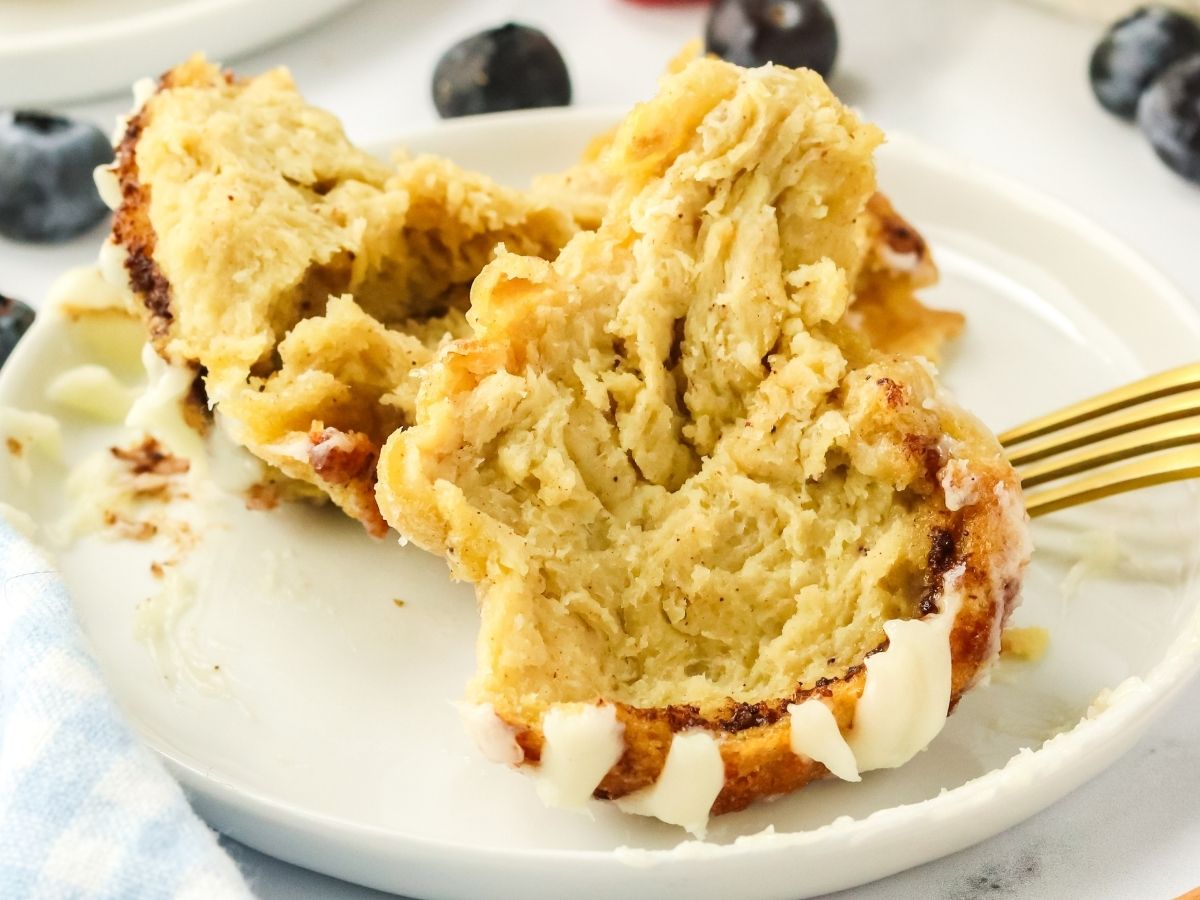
(86,811)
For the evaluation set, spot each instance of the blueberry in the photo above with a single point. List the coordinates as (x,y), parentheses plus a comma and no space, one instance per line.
(1135,51)
(510,67)
(15,319)
(46,188)
(1169,114)
(793,33)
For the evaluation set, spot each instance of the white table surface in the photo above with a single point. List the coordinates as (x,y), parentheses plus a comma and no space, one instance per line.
(993,81)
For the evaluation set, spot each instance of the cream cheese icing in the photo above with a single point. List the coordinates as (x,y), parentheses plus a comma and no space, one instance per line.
(111,262)
(107,185)
(23,434)
(159,409)
(143,89)
(907,694)
(20,520)
(97,487)
(232,467)
(959,483)
(898,262)
(815,734)
(92,390)
(85,289)
(163,623)
(494,737)
(689,783)
(582,743)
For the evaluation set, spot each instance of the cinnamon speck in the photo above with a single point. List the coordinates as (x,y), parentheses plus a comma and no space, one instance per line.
(149,457)
(262,497)
(136,529)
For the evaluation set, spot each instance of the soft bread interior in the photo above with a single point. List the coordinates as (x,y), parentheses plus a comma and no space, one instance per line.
(307,278)
(677,475)
(894,263)
(312,281)
(262,209)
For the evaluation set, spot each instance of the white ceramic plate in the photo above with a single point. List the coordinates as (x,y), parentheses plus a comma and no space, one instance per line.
(310,716)
(56,50)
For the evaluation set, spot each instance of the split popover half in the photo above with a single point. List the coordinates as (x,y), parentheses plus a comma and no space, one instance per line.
(303,278)
(723,547)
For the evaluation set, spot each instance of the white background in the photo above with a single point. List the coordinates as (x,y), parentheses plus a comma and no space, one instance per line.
(993,81)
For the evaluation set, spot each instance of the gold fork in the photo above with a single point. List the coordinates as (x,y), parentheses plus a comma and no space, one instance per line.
(1159,413)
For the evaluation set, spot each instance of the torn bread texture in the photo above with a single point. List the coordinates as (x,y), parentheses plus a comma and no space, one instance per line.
(896,265)
(894,262)
(687,491)
(304,278)
(309,282)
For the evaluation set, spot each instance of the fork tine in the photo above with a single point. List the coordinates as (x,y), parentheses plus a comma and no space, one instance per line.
(1135,443)
(1165,383)
(1161,409)
(1174,465)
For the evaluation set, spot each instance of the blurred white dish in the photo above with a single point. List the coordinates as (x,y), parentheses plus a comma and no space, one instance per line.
(57,50)
(1106,11)
(310,715)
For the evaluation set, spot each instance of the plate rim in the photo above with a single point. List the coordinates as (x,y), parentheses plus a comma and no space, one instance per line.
(59,66)
(1166,678)
(137,26)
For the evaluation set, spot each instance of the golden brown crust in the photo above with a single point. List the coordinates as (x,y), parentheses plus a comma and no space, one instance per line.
(133,232)
(347,460)
(131,228)
(886,307)
(756,738)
